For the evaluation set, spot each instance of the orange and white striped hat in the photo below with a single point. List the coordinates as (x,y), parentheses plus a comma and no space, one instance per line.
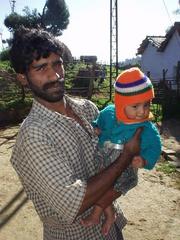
(132,86)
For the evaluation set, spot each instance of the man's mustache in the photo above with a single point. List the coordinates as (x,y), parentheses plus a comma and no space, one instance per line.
(51,84)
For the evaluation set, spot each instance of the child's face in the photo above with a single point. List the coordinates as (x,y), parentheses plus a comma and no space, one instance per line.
(138,111)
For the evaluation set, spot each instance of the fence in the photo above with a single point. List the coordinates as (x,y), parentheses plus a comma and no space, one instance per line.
(167,98)
(86,81)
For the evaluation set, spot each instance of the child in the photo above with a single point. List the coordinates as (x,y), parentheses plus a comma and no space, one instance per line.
(116,124)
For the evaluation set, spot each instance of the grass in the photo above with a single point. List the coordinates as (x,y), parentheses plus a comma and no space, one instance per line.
(166,168)
(169,170)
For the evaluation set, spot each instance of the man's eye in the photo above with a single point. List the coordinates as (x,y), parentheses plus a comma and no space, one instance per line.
(57,64)
(40,68)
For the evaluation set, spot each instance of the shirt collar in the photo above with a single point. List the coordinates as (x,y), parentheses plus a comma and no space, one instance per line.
(42,112)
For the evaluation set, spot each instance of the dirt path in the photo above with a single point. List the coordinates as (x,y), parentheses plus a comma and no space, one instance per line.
(152,208)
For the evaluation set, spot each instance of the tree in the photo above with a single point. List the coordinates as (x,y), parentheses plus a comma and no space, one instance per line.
(177,11)
(54,18)
(29,19)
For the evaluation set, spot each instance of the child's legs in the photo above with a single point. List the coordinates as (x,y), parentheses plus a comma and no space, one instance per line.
(93,218)
(110,218)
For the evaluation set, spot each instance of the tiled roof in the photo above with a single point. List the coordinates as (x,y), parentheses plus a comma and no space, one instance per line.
(160,42)
(154,40)
(169,35)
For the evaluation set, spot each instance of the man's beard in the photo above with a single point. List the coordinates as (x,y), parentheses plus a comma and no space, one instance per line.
(45,93)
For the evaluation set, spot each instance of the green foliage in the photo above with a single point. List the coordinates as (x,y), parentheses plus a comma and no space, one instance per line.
(15,20)
(15,104)
(101,102)
(54,18)
(156,109)
(166,168)
(4,55)
(177,11)
(6,66)
(11,92)
(71,72)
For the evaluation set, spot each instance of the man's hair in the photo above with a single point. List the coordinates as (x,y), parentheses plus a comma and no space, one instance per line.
(32,44)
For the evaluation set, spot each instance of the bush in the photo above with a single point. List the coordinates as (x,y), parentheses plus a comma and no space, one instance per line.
(4,55)
(15,104)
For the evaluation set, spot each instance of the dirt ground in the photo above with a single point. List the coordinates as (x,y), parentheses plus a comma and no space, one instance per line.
(152,208)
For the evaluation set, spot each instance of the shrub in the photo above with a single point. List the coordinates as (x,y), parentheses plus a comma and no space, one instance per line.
(4,55)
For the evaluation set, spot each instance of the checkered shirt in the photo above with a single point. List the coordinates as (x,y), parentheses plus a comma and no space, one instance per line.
(53,157)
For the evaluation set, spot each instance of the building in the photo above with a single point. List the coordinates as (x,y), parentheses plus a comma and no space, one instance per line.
(160,55)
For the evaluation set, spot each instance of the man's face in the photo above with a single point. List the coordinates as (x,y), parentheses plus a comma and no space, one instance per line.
(45,78)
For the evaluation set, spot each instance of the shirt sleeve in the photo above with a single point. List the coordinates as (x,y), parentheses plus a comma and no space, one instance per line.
(91,111)
(150,146)
(47,171)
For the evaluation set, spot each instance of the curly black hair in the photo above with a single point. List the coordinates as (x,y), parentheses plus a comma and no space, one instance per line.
(32,44)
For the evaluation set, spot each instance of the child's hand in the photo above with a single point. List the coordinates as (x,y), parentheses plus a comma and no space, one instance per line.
(138,162)
(97,131)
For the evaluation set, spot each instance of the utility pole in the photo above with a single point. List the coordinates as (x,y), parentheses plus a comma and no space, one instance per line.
(2,47)
(113,41)
(12,4)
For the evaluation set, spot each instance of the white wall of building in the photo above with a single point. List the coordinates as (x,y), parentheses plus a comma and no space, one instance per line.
(154,61)
(171,55)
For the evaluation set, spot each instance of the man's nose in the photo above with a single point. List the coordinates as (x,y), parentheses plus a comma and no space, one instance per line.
(53,74)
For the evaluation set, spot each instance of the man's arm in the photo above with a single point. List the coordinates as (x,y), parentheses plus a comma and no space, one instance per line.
(101,184)
(108,198)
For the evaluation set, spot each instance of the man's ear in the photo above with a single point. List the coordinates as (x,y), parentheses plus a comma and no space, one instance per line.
(22,79)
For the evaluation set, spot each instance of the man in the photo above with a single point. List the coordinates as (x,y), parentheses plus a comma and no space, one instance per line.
(54,151)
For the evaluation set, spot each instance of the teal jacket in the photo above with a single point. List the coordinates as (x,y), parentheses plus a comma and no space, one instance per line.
(120,133)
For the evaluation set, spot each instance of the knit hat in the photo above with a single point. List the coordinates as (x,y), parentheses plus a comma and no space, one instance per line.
(131,87)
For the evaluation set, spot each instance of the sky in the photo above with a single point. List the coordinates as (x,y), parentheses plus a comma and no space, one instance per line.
(88,32)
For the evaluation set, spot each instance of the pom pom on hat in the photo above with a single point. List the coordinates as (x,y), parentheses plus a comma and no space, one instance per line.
(132,86)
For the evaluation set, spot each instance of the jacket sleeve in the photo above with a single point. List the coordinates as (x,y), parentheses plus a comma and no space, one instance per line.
(150,146)
(98,122)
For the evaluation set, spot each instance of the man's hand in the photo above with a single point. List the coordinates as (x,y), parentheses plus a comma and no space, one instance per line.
(100,187)
(131,149)
(133,146)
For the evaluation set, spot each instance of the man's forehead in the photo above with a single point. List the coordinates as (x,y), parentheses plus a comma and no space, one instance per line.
(53,57)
